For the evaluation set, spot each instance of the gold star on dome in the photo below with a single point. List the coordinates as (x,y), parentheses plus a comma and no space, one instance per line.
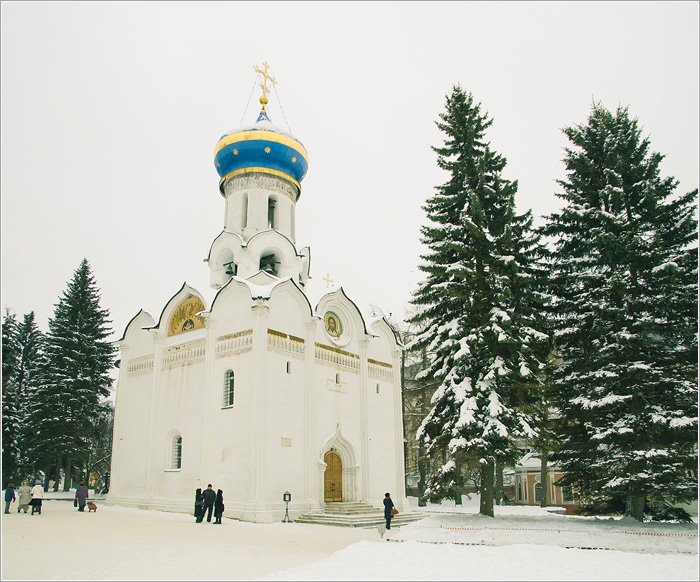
(294,160)
(267,150)
(235,152)
(218,165)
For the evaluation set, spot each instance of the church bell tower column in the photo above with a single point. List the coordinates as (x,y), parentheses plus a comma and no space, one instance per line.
(261,313)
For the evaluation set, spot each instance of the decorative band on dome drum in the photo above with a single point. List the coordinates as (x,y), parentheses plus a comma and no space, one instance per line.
(261,135)
(262,171)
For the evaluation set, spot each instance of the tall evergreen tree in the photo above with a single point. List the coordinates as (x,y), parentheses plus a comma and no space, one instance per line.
(30,342)
(10,414)
(73,379)
(624,275)
(477,306)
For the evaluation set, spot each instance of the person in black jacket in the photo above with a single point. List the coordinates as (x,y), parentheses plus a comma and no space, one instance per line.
(209,498)
(198,506)
(219,506)
(388,506)
(9,496)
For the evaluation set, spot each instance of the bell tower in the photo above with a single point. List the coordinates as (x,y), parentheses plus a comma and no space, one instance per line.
(261,168)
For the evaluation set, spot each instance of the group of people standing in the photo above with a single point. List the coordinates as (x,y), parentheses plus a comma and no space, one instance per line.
(27,496)
(206,502)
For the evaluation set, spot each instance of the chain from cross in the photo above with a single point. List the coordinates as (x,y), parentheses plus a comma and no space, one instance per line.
(328,280)
(263,85)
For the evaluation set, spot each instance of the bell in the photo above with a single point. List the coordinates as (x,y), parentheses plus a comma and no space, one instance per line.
(229,269)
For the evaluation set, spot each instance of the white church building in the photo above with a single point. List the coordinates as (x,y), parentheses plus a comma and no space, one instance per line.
(262,392)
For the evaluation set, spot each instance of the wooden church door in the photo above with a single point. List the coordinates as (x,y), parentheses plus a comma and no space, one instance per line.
(333,477)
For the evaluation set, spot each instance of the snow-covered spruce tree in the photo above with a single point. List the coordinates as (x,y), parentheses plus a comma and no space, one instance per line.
(477,306)
(624,275)
(73,379)
(30,341)
(10,415)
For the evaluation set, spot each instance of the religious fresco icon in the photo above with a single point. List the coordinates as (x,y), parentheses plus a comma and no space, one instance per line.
(185,318)
(334,327)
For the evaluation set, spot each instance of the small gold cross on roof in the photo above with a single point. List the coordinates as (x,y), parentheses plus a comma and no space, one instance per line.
(328,280)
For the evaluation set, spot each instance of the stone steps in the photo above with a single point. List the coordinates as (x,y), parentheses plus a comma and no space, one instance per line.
(356,515)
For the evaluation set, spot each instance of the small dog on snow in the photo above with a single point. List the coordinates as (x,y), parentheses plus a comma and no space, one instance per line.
(91,506)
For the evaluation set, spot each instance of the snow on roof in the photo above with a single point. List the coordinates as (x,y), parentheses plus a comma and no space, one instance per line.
(530,461)
(262,125)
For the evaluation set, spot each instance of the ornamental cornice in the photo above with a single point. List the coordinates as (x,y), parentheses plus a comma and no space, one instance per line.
(264,181)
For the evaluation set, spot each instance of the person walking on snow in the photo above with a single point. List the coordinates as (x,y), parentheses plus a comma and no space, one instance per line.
(37,493)
(81,496)
(9,496)
(25,494)
(388,506)
(209,498)
(219,506)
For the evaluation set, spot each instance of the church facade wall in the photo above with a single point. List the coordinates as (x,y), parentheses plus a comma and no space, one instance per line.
(303,401)
(262,393)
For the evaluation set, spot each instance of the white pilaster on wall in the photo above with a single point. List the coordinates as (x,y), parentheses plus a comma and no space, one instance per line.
(212,403)
(364,431)
(398,432)
(115,466)
(311,492)
(261,314)
(156,453)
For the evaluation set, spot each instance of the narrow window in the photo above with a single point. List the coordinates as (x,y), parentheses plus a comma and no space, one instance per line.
(271,212)
(228,388)
(377,388)
(337,378)
(293,227)
(520,491)
(177,452)
(244,211)
(289,367)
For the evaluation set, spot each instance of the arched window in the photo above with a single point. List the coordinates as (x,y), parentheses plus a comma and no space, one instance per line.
(289,367)
(177,452)
(228,388)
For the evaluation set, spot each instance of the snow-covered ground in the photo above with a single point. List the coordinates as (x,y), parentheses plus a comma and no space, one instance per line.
(520,543)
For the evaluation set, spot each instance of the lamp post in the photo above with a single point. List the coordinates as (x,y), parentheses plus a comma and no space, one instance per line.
(287,498)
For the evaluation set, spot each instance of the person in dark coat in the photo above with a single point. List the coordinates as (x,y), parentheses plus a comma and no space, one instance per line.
(209,498)
(9,496)
(198,506)
(219,506)
(388,506)
(81,496)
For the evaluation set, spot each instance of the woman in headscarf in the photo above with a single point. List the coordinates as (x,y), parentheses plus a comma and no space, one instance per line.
(37,494)
(219,506)
(198,506)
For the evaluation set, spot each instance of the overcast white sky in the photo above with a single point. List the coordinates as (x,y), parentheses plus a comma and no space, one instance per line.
(111,111)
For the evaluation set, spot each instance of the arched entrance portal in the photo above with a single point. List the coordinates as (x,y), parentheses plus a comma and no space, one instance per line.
(333,477)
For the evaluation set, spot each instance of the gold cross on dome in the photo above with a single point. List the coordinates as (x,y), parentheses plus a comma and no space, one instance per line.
(263,85)
(328,280)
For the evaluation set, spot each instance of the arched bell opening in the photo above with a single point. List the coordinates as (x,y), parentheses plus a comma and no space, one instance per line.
(270,263)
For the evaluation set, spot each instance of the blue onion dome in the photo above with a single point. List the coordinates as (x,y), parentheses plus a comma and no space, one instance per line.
(262,147)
